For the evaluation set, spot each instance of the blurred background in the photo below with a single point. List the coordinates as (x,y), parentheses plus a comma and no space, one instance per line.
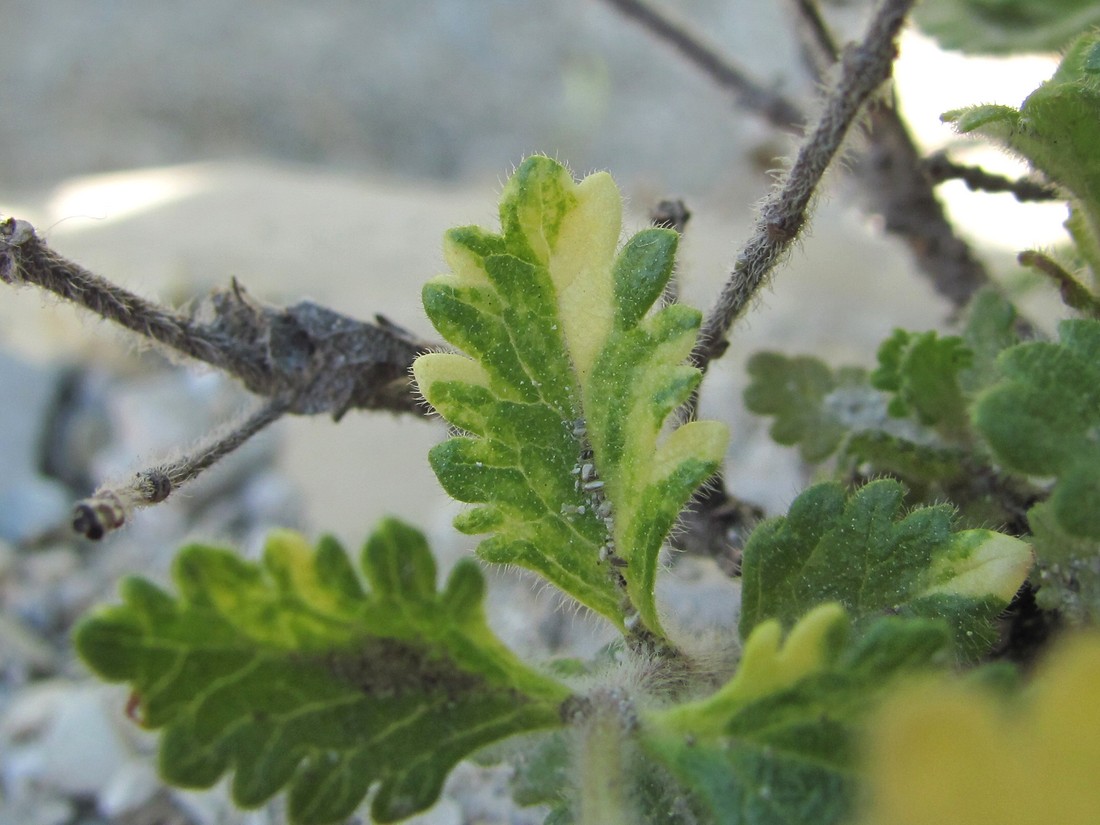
(320,151)
(434,91)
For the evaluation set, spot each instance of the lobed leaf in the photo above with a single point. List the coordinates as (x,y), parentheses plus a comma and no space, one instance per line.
(776,745)
(1057,129)
(814,407)
(1042,418)
(922,370)
(289,674)
(954,754)
(563,389)
(862,551)
(990,329)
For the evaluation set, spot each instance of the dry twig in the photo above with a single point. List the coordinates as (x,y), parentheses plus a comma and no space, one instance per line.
(890,170)
(320,360)
(303,359)
(939,168)
(750,94)
(783,213)
(109,507)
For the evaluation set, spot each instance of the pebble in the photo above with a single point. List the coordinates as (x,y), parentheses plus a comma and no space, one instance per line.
(64,737)
(130,787)
(64,743)
(29,502)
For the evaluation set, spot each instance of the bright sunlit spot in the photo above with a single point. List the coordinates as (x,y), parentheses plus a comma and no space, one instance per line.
(931,81)
(117,195)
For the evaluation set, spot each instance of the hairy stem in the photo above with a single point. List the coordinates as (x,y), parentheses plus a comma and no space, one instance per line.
(109,507)
(1074,294)
(604,724)
(783,214)
(324,362)
(890,172)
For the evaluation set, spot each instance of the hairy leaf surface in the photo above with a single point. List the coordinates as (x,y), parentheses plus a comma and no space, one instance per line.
(864,552)
(814,407)
(1068,568)
(563,389)
(776,745)
(922,371)
(288,673)
(1057,129)
(1043,419)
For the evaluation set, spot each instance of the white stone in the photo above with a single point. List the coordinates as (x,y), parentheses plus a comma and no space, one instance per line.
(60,735)
(131,786)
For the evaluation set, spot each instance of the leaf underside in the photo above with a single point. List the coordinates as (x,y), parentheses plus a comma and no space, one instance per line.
(289,674)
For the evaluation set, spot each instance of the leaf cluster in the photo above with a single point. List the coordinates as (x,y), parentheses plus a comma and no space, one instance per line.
(908,419)
(563,389)
(288,672)
(300,672)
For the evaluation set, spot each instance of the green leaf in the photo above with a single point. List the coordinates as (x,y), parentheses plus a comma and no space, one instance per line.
(814,407)
(1006,26)
(907,461)
(288,673)
(1068,568)
(776,745)
(1057,129)
(990,329)
(1044,416)
(863,552)
(541,773)
(922,371)
(563,390)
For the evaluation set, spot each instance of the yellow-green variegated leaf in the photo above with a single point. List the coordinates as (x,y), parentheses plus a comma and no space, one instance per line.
(775,745)
(289,673)
(564,382)
(951,753)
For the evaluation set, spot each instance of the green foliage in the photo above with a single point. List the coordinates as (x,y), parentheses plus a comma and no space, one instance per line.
(289,673)
(862,552)
(1069,568)
(564,388)
(1006,26)
(814,407)
(300,673)
(776,745)
(922,371)
(990,329)
(1057,130)
(1043,418)
(909,419)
